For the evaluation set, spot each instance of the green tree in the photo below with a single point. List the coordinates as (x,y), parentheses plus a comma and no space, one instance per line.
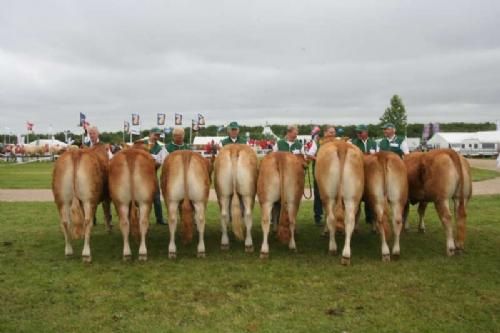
(395,114)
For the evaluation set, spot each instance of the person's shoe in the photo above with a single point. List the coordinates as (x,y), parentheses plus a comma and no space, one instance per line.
(317,222)
(161,222)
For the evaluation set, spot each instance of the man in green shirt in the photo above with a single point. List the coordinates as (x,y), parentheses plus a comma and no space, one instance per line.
(290,143)
(178,141)
(234,135)
(159,153)
(392,142)
(363,142)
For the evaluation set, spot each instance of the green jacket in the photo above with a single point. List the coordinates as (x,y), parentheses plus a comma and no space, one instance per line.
(284,146)
(228,140)
(394,145)
(370,145)
(155,149)
(171,147)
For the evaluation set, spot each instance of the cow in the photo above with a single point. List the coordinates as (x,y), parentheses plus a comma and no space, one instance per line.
(386,183)
(438,176)
(235,183)
(78,187)
(132,184)
(340,176)
(102,152)
(185,182)
(280,180)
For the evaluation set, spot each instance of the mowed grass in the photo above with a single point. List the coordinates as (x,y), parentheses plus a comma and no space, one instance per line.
(307,291)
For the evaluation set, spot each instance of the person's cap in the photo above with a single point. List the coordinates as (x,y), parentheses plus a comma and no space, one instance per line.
(233,125)
(155,130)
(388,125)
(361,128)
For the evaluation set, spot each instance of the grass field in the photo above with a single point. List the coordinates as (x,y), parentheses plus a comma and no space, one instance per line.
(39,175)
(308,291)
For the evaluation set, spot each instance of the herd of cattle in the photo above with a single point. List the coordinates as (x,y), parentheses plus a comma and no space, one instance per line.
(83,178)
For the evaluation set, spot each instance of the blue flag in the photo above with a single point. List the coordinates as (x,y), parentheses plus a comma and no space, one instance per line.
(82,119)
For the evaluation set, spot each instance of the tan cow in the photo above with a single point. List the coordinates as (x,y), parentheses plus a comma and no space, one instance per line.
(132,184)
(340,176)
(78,186)
(386,183)
(235,184)
(185,182)
(438,176)
(101,151)
(281,180)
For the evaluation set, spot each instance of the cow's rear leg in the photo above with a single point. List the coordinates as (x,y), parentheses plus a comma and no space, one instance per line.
(380,216)
(123,211)
(266,209)
(443,209)
(172,226)
(224,221)
(350,212)
(89,211)
(332,224)
(106,208)
(397,226)
(247,215)
(199,208)
(144,211)
(421,214)
(64,216)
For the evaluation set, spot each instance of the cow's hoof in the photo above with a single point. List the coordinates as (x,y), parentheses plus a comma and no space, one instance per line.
(386,257)
(224,247)
(127,257)
(332,252)
(143,257)
(249,248)
(421,230)
(450,252)
(201,255)
(264,255)
(172,255)
(87,259)
(345,261)
(395,256)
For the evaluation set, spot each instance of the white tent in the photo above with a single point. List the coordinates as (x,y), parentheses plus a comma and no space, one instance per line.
(49,142)
(203,140)
(473,143)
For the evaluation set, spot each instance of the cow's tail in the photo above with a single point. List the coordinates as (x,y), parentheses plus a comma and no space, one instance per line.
(462,214)
(133,212)
(236,223)
(339,206)
(77,213)
(382,159)
(284,233)
(186,208)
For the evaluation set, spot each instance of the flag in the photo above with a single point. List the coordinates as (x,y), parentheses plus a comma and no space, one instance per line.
(435,128)
(82,119)
(178,119)
(135,130)
(136,119)
(201,120)
(126,127)
(86,125)
(426,133)
(195,126)
(29,126)
(160,119)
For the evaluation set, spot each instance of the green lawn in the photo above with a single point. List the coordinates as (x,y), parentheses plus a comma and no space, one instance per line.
(425,291)
(483,174)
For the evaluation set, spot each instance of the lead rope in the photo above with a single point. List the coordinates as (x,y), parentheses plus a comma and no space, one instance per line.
(308,176)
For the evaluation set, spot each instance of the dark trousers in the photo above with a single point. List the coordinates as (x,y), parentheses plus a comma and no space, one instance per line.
(318,206)
(369,216)
(157,206)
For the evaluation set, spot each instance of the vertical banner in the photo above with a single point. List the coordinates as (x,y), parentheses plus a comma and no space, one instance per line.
(435,128)
(201,120)
(160,119)
(29,127)
(195,126)
(426,132)
(126,127)
(82,119)
(136,120)
(178,119)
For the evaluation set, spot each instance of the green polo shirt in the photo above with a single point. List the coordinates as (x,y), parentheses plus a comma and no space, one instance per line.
(155,149)
(283,145)
(394,145)
(239,139)
(171,147)
(370,145)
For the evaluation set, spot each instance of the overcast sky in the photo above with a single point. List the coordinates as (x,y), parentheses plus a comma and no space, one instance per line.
(252,61)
